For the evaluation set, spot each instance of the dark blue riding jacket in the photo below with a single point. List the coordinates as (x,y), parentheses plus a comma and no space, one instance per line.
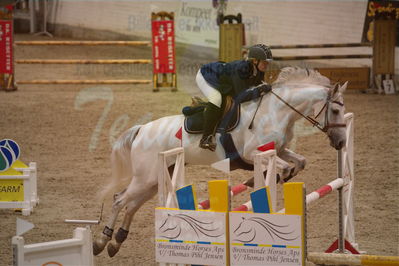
(231,78)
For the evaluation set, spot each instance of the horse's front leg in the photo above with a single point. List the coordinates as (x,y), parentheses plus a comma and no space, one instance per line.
(298,160)
(284,170)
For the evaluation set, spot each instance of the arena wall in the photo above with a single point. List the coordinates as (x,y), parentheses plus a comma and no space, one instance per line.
(268,21)
(273,22)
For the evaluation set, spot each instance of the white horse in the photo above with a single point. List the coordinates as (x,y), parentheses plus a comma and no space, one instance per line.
(135,154)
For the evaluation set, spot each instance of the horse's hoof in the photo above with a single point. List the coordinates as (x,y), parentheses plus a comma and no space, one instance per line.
(112,250)
(97,249)
(99,244)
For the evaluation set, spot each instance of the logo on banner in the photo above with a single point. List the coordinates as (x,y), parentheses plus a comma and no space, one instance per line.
(9,153)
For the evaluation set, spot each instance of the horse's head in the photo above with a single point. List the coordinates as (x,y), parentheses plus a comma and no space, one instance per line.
(332,116)
(310,87)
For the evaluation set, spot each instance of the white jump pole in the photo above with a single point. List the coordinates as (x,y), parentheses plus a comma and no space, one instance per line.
(341,237)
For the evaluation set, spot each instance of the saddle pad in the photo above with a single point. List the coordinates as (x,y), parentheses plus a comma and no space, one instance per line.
(193,124)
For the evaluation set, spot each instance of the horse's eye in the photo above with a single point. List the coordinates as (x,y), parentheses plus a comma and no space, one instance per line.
(335,111)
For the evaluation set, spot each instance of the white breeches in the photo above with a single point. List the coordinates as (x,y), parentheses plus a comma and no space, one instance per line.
(210,93)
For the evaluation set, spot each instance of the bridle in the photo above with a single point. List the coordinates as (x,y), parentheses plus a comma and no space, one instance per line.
(313,121)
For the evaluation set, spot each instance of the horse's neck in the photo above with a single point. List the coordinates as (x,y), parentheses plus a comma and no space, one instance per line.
(275,120)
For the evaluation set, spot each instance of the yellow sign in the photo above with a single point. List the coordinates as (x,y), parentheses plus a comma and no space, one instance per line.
(11,190)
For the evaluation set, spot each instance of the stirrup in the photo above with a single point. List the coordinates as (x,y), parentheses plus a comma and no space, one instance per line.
(207,143)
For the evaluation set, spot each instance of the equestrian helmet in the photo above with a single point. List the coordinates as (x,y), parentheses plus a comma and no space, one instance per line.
(260,52)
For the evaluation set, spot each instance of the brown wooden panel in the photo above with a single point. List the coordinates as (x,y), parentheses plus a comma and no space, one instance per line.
(358,77)
(230,42)
(384,46)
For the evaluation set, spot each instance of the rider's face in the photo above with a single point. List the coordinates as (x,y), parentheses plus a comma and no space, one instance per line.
(262,66)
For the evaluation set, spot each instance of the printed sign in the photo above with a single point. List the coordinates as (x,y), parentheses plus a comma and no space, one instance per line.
(388,85)
(163,46)
(265,239)
(190,237)
(11,190)
(196,24)
(6,59)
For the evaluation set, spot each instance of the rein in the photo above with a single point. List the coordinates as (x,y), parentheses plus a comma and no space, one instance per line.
(312,120)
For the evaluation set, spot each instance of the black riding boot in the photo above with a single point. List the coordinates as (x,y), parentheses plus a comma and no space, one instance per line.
(211,117)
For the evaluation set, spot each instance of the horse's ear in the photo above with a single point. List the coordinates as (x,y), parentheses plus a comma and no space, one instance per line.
(343,87)
(336,87)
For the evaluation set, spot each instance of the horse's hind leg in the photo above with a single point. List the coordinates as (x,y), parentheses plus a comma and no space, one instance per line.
(100,243)
(138,199)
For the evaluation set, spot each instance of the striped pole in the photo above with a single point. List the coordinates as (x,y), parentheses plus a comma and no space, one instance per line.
(84,43)
(311,197)
(351,259)
(247,206)
(79,61)
(204,205)
(314,57)
(324,190)
(329,45)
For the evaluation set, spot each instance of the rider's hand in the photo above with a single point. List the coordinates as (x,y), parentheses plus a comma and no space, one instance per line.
(264,88)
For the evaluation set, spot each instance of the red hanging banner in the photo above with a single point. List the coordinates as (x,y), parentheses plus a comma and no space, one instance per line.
(6,60)
(163,46)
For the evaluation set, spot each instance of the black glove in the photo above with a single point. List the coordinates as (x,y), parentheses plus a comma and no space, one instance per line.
(264,88)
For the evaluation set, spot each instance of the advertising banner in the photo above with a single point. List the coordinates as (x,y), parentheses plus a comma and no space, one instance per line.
(376,8)
(163,46)
(265,239)
(196,24)
(190,237)
(6,59)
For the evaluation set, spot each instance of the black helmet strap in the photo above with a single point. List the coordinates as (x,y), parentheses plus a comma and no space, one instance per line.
(256,66)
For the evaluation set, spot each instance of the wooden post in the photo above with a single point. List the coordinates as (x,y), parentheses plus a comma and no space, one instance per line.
(384,53)
(231,38)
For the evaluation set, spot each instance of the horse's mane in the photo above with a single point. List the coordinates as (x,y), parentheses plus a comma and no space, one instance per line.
(301,75)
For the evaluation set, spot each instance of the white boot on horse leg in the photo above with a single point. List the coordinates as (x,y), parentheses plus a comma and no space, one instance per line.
(114,246)
(298,160)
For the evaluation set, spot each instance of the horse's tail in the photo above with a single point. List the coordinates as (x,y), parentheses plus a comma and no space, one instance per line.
(121,163)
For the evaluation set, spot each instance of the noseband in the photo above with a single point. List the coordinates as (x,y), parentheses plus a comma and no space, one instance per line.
(313,121)
(327,125)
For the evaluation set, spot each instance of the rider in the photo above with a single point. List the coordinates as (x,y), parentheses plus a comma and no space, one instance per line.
(219,79)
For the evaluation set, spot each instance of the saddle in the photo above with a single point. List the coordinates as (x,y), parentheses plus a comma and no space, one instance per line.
(194,118)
